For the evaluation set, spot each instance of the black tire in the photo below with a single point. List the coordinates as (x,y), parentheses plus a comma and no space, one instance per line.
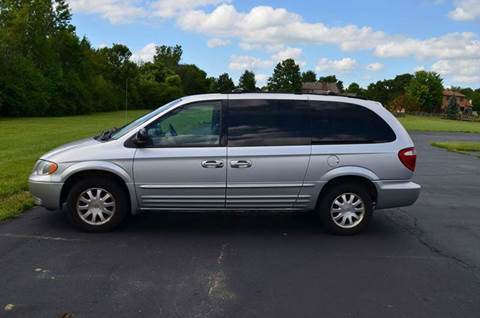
(327,200)
(120,196)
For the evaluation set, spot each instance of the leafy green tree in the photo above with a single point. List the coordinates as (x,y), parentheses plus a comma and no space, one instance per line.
(398,85)
(247,81)
(224,84)
(286,78)
(402,103)
(379,91)
(169,56)
(476,100)
(427,89)
(332,79)
(194,80)
(452,108)
(388,90)
(309,76)
(355,89)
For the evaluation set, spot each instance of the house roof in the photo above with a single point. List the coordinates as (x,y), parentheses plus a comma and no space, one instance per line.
(324,86)
(449,92)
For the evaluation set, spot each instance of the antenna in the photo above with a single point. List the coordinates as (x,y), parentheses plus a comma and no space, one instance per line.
(126,99)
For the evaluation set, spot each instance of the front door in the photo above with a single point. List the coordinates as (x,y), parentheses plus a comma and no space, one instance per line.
(268,153)
(184,164)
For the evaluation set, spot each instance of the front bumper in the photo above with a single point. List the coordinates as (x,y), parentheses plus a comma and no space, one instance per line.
(46,194)
(394,194)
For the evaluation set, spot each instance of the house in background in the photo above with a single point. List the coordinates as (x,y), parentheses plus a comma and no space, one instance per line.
(319,88)
(463,102)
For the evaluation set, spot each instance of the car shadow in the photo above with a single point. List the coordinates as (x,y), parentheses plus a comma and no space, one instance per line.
(237,223)
(193,224)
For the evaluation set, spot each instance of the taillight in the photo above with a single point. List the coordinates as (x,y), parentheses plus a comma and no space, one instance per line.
(408,157)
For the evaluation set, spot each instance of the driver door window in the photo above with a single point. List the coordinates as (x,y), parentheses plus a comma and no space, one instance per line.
(193,125)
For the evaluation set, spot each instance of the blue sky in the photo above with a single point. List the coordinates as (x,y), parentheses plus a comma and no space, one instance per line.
(361,41)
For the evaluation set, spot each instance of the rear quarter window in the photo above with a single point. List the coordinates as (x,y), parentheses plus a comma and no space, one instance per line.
(345,123)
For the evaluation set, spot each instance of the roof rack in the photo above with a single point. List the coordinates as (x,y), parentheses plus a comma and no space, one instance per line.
(326,93)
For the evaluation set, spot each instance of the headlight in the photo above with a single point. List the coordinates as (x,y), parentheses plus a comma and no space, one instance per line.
(43,167)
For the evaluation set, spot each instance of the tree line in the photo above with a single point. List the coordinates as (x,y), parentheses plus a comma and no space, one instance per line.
(47,70)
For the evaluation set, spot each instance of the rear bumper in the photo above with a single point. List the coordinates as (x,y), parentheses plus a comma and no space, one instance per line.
(46,194)
(393,194)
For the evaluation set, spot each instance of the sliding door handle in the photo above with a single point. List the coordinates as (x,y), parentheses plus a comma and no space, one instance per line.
(212,164)
(240,163)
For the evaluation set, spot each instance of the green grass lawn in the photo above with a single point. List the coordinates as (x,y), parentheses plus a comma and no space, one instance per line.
(24,140)
(420,123)
(459,146)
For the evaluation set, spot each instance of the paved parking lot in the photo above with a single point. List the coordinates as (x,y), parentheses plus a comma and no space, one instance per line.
(414,262)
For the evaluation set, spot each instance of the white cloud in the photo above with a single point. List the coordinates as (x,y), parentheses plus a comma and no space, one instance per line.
(246,62)
(465,10)
(261,79)
(171,8)
(215,42)
(343,65)
(264,27)
(419,68)
(278,31)
(145,54)
(288,53)
(126,11)
(375,67)
(115,11)
(448,46)
(274,29)
(465,71)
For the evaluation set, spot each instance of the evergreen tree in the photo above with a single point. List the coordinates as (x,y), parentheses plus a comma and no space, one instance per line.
(247,82)
(309,76)
(224,84)
(286,78)
(452,108)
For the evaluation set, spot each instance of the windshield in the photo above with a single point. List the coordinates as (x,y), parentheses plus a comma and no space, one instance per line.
(138,122)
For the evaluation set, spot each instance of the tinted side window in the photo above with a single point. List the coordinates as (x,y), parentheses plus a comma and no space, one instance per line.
(267,123)
(193,125)
(344,123)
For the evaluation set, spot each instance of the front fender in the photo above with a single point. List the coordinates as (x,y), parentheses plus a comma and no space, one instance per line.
(96,166)
(110,167)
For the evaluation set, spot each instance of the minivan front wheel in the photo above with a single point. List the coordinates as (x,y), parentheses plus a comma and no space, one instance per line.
(346,209)
(96,205)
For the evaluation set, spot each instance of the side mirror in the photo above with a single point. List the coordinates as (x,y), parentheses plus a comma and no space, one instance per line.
(142,138)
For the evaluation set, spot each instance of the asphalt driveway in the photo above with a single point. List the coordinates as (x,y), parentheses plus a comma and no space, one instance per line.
(414,262)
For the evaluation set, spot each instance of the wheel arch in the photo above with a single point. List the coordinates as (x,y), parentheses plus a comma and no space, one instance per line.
(345,175)
(116,174)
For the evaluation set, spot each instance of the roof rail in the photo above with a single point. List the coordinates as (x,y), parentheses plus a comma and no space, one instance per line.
(326,93)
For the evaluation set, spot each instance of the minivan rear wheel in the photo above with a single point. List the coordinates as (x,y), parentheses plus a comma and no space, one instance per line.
(96,205)
(345,209)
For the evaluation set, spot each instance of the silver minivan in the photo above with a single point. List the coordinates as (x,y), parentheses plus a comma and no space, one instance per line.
(340,157)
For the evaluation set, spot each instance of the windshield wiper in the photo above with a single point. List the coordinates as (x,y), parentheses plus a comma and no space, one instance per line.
(106,135)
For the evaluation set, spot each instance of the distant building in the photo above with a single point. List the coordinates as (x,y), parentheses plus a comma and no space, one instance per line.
(319,88)
(463,102)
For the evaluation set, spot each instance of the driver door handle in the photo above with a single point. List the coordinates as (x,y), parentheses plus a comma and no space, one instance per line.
(212,164)
(240,163)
